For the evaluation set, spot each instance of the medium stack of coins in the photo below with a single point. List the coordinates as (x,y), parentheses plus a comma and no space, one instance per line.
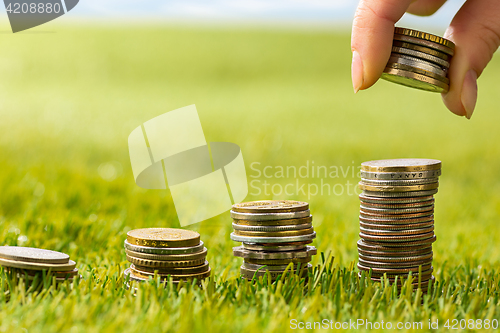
(31,263)
(419,60)
(396,218)
(274,234)
(170,253)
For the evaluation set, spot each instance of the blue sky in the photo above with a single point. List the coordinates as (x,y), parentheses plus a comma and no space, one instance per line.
(329,12)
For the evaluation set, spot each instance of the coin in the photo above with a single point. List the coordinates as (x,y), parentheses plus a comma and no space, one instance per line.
(272,267)
(418,66)
(395,271)
(256,240)
(171,270)
(395,226)
(165,264)
(240,251)
(396,205)
(427,256)
(163,237)
(145,275)
(426,36)
(277,262)
(423,42)
(29,254)
(401,165)
(164,251)
(272,228)
(407,232)
(399,182)
(279,248)
(38,266)
(168,257)
(422,49)
(414,80)
(403,244)
(381,249)
(437,60)
(399,194)
(402,188)
(251,273)
(401,175)
(397,239)
(270,206)
(303,220)
(375,220)
(289,233)
(394,200)
(396,211)
(394,217)
(270,216)
(395,265)
(33,273)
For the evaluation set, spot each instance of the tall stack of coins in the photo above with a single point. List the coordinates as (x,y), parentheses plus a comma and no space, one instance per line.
(32,262)
(274,234)
(396,218)
(175,253)
(419,60)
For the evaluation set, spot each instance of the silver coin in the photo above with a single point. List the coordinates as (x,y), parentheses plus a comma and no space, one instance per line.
(396,233)
(162,250)
(128,273)
(399,182)
(399,194)
(390,239)
(379,200)
(401,175)
(383,220)
(427,256)
(417,63)
(34,255)
(269,228)
(395,226)
(257,240)
(381,204)
(278,248)
(240,251)
(421,55)
(395,266)
(400,217)
(269,216)
(247,265)
(274,274)
(388,211)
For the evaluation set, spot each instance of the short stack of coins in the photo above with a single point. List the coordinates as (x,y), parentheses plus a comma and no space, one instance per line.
(33,263)
(419,60)
(175,254)
(274,234)
(396,219)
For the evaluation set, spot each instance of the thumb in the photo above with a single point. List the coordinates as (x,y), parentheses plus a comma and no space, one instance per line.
(475,30)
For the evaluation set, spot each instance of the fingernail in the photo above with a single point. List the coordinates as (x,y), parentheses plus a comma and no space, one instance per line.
(356,71)
(469,92)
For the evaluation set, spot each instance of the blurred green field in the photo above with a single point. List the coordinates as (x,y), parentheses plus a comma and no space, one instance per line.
(70,98)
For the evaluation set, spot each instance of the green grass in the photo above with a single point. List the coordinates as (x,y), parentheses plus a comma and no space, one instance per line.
(69,99)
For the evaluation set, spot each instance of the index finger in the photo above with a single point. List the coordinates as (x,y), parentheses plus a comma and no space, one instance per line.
(371,39)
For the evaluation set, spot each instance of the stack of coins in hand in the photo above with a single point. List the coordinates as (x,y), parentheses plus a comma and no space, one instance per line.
(396,218)
(274,234)
(30,263)
(419,60)
(174,253)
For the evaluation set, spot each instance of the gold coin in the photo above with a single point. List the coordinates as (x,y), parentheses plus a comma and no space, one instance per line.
(303,220)
(270,206)
(274,234)
(33,273)
(171,271)
(426,36)
(401,165)
(390,188)
(425,43)
(163,237)
(38,266)
(414,80)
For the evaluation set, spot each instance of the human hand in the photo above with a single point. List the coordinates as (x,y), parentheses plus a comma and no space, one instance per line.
(475,30)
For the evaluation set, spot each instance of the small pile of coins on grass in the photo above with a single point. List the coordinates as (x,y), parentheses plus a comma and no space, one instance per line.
(419,60)
(33,264)
(396,219)
(169,253)
(274,234)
